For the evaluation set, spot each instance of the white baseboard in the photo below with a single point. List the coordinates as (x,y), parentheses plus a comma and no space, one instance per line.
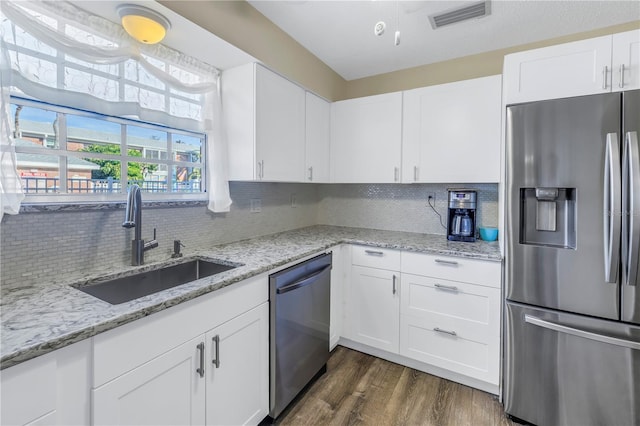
(421,366)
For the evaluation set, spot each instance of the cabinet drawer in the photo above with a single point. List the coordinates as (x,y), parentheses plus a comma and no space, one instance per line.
(424,297)
(483,272)
(374,257)
(462,353)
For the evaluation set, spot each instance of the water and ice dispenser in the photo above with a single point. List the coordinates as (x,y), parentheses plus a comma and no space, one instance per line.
(548,217)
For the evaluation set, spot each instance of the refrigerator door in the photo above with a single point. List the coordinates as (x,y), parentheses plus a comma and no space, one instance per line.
(631,236)
(558,253)
(565,369)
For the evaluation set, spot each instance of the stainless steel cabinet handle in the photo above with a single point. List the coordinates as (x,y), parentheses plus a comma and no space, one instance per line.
(612,208)
(262,169)
(374,253)
(311,173)
(439,330)
(394,284)
(415,173)
(631,208)
(216,360)
(200,370)
(621,83)
(605,73)
(446,287)
(446,262)
(395,174)
(581,333)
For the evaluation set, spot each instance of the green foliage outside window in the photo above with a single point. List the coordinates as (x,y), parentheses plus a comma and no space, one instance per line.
(111,168)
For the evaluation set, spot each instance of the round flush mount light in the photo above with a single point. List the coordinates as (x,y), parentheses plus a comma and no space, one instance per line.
(143,24)
(379,28)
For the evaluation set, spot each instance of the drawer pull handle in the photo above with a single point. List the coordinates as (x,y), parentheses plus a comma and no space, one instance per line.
(200,370)
(216,361)
(446,287)
(374,253)
(439,330)
(446,262)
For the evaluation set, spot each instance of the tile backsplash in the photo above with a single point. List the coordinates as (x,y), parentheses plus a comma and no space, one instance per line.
(43,247)
(398,207)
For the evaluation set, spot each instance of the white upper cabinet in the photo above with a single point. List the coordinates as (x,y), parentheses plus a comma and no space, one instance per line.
(366,139)
(451,132)
(264,115)
(625,64)
(573,69)
(318,137)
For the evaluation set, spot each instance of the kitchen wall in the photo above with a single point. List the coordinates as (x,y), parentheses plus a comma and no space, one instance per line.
(398,207)
(40,248)
(240,24)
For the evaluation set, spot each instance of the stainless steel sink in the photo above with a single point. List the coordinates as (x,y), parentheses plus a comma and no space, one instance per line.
(120,290)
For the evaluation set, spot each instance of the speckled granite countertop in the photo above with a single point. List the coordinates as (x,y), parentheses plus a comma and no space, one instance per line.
(37,320)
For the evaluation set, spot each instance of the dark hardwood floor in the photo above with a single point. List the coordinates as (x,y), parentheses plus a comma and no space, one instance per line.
(359,389)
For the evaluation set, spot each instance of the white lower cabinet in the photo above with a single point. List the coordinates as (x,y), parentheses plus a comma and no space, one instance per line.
(167,390)
(220,378)
(374,297)
(451,325)
(438,314)
(450,314)
(375,307)
(52,389)
(237,369)
(202,362)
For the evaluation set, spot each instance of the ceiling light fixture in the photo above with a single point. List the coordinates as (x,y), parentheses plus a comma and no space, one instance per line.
(143,24)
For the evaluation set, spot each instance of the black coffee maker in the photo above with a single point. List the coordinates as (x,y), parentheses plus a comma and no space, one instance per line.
(461,223)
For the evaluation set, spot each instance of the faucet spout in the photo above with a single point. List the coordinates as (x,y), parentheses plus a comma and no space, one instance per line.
(133,219)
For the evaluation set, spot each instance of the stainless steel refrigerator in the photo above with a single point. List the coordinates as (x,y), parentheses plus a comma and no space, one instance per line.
(572,312)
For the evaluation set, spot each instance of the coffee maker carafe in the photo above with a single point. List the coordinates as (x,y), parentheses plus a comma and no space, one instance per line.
(462,215)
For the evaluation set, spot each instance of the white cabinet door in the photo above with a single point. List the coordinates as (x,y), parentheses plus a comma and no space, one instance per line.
(366,139)
(374,307)
(565,70)
(626,61)
(451,132)
(318,137)
(167,390)
(50,389)
(280,127)
(238,369)
(264,117)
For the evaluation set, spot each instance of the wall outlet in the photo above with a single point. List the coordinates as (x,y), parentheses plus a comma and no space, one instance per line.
(256,205)
(294,201)
(431,198)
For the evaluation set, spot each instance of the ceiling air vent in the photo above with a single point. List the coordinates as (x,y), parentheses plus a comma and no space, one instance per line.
(471,11)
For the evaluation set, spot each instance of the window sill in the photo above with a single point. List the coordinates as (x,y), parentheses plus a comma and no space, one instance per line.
(113,205)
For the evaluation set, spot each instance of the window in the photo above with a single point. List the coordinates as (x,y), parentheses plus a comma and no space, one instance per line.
(91,112)
(64,151)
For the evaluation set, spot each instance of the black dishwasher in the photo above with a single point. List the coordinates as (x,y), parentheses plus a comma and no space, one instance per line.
(299,328)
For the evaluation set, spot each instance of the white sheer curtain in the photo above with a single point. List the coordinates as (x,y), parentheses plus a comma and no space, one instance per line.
(10,188)
(56,47)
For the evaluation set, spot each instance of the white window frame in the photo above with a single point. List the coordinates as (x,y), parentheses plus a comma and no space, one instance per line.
(118,195)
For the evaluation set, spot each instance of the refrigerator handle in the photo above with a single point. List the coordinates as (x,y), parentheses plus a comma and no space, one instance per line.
(610,340)
(612,208)
(631,207)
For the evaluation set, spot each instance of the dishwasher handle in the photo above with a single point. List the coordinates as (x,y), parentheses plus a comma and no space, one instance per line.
(302,281)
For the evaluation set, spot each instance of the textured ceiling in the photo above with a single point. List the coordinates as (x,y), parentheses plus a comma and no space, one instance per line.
(341,33)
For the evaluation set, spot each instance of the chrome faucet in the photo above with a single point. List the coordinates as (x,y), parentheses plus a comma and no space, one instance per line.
(133,219)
